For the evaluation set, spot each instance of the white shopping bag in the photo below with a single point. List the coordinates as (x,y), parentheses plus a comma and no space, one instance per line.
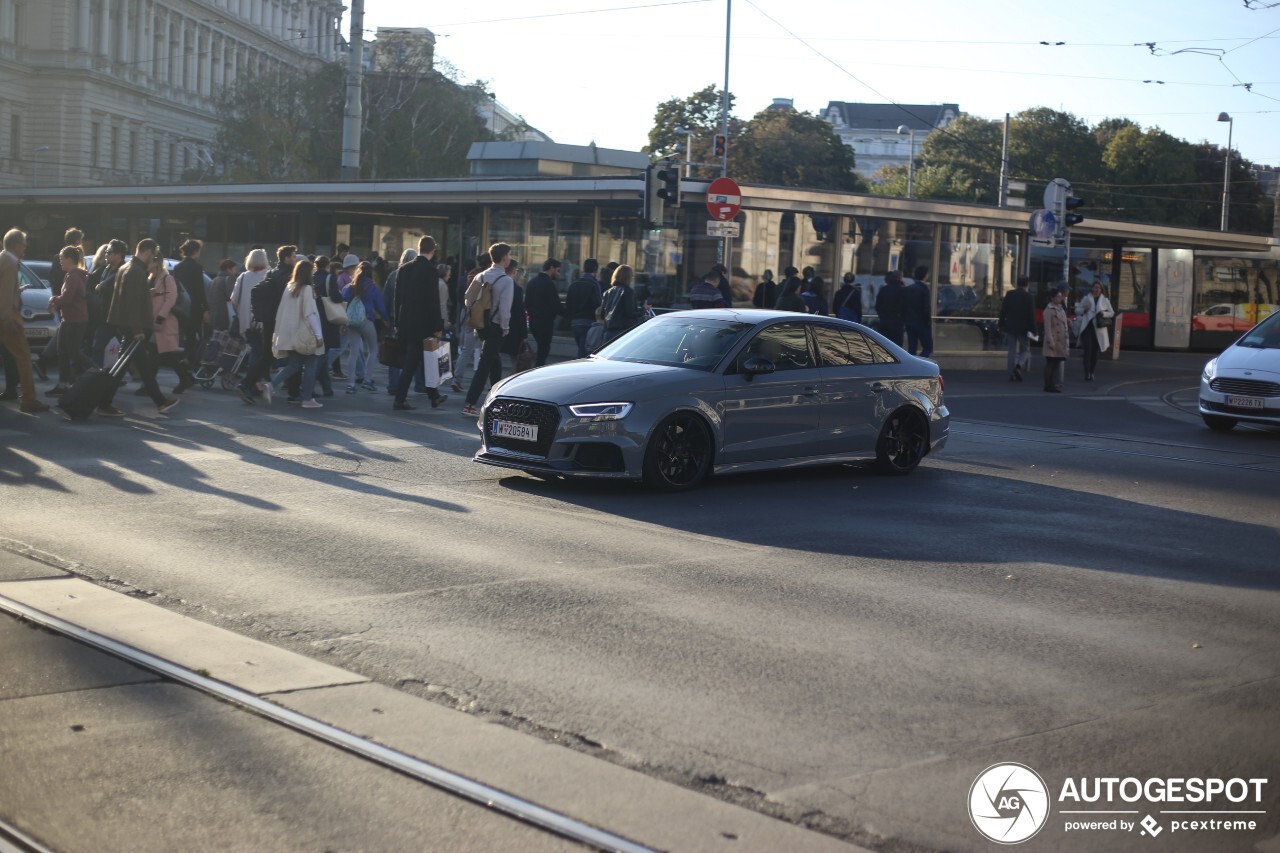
(437,364)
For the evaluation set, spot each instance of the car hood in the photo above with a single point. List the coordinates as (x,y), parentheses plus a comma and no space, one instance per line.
(1250,358)
(36,300)
(585,380)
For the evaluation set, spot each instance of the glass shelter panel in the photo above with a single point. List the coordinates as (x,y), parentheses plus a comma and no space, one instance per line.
(976,267)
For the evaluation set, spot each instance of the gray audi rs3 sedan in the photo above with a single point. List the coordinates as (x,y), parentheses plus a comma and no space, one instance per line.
(689,394)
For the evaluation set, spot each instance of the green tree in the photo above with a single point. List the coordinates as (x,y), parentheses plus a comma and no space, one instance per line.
(958,163)
(792,149)
(1149,173)
(283,125)
(1045,144)
(700,115)
(287,125)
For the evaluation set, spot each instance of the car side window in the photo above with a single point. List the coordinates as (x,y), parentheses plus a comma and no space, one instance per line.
(785,345)
(883,356)
(840,348)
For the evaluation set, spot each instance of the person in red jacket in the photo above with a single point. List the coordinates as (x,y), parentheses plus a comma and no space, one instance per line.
(73,304)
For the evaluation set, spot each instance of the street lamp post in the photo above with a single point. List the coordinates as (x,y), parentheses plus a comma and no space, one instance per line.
(911,158)
(1226,172)
(35,167)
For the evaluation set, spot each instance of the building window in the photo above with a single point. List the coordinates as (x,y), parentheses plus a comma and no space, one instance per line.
(156,153)
(133,154)
(95,144)
(115,148)
(15,136)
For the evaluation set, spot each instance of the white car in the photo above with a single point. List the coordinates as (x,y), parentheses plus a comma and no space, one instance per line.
(1243,384)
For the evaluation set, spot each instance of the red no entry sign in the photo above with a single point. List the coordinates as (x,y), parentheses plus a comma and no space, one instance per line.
(724,199)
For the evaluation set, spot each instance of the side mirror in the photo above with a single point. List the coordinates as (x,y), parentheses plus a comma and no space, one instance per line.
(757,366)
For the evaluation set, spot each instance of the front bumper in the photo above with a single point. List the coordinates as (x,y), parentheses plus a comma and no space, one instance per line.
(571,446)
(1244,399)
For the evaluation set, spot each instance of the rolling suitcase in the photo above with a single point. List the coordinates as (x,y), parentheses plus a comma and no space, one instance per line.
(94,387)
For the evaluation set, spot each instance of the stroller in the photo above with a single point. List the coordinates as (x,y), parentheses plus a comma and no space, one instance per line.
(223,355)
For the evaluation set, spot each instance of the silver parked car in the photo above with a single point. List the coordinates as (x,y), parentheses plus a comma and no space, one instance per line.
(37,320)
(692,393)
(1243,384)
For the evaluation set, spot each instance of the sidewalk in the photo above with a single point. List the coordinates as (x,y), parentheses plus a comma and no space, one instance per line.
(101,754)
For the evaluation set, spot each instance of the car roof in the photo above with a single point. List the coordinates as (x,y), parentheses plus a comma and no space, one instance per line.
(755,316)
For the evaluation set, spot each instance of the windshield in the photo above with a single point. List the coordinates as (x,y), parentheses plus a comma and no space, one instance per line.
(29,280)
(671,340)
(1265,335)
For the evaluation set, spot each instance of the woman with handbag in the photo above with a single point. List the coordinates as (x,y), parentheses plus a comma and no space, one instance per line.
(1096,318)
(298,336)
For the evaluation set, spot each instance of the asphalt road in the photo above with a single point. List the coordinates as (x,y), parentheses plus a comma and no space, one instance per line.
(1086,583)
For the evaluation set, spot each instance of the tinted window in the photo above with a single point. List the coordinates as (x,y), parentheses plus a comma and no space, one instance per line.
(28,279)
(839,348)
(786,345)
(881,354)
(699,344)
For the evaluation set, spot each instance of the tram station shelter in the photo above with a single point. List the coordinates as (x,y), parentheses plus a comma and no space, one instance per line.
(1178,288)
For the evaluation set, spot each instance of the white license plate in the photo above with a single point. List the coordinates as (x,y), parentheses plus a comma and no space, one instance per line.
(1246,402)
(521,432)
(38,332)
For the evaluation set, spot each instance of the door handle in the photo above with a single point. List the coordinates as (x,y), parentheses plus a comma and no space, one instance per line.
(810,391)
(879,387)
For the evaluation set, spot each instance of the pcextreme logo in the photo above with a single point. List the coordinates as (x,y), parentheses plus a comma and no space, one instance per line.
(1009,803)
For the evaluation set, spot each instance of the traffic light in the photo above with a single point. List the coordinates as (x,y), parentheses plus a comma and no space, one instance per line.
(654,201)
(669,183)
(721,143)
(1069,204)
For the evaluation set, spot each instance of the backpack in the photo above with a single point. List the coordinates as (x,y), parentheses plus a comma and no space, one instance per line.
(479,302)
(356,315)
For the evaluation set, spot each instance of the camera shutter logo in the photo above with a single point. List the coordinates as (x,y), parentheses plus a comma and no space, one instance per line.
(1008,803)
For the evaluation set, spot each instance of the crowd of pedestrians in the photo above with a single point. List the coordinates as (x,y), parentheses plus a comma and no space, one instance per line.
(304,322)
(307,321)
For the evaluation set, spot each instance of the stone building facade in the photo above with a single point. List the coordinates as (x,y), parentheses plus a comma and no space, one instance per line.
(871,130)
(114,92)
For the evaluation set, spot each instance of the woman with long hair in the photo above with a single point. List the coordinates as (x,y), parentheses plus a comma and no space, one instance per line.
(362,338)
(73,304)
(619,308)
(1096,316)
(298,336)
(790,299)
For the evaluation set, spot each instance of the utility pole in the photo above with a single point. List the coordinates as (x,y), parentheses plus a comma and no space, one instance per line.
(725,252)
(353,117)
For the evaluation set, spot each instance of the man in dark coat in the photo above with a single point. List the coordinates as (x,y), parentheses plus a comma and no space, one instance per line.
(919,313)
(891,307)
(131,314)
(416,316)
(190,275)
(542,301)
(1018,321)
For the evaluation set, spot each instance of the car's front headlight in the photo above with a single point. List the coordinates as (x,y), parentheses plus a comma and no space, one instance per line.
(1210,370)
(602,411)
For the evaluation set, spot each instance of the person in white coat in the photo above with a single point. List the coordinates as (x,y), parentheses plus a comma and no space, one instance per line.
(1096,316)
(298,336)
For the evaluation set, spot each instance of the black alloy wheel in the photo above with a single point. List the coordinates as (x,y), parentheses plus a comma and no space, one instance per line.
(679,454)
(903,442)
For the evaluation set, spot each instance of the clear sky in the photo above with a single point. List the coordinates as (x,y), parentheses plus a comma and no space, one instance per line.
(583,70)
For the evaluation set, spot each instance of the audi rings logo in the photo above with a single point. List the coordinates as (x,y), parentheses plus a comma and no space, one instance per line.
(517,410)
(1008,803)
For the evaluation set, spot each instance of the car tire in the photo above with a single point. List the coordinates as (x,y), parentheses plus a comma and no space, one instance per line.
(679,455)
(1218,423)
(903,442)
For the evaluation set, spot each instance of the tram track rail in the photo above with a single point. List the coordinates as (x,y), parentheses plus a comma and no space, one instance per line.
(13,840)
